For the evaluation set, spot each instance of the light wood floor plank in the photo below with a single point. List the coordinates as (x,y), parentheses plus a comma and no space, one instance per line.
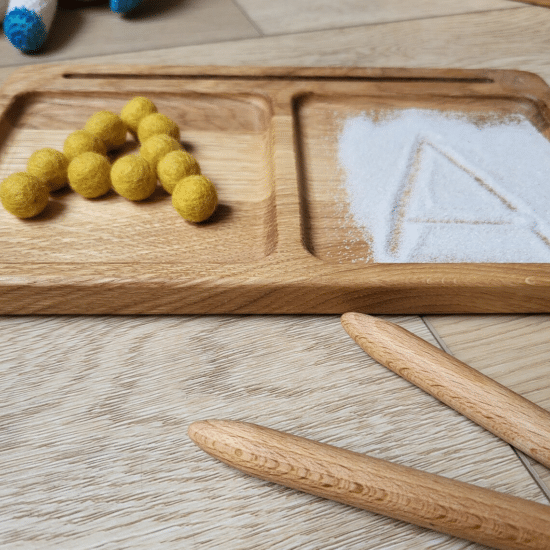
(94,413)
(94,30)
(486,40)
(512,349)
(291,16)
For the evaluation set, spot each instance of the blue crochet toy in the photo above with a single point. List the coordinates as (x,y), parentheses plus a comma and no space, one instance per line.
(27,22)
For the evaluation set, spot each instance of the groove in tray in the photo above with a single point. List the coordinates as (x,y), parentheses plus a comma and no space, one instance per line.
(320,78)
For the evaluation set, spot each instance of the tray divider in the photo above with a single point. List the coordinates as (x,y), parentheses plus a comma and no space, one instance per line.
(287,197)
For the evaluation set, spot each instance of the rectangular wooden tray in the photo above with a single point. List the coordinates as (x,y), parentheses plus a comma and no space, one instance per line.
(276,242)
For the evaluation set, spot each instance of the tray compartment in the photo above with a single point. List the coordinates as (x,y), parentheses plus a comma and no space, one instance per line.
(229,135)
(331,232)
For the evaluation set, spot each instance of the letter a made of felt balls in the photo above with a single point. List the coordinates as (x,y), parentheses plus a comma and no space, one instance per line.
(28,22)
(84,165)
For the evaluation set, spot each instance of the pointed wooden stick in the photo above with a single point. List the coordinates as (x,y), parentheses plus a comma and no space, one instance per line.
(493,406)
(432,501)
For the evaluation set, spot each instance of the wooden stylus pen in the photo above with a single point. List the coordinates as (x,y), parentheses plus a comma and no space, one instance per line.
(449,506)
(493,406)
(445,505)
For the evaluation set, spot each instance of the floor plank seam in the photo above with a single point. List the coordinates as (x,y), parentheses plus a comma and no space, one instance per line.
(67,60)
(534,474)
(522,458)
(263,36)
(436,335)
(390,22)
(249,18)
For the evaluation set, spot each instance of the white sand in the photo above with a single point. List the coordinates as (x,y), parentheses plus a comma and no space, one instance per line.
(430,187)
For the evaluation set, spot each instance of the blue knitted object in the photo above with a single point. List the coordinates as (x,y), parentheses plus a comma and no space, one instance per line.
(24,29)
(123,6)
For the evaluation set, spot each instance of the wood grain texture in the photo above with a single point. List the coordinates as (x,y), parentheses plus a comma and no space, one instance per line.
(81,29)
(513,350)
(291,16)
(434,502)
(545,3)
(493,406)
(251,132)
(493,39)
(95,410)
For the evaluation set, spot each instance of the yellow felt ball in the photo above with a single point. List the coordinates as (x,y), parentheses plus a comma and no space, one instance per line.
(50,166)
(82,141)
(89,175)
(157,123)
(195,198)
(108,127)
(135,110)
(24,195)
(157,147)
(174,167)
(133,178)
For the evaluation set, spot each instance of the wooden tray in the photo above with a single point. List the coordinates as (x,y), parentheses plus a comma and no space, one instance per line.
(545,3)
(276,243)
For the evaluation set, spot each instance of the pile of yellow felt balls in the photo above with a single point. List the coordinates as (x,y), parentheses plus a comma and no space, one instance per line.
(85,166)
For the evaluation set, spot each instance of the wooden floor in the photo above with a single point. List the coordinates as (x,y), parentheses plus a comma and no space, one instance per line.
(94,410)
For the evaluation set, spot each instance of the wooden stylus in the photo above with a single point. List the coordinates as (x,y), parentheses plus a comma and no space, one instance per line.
(449,506)
(445,505)
(493,406)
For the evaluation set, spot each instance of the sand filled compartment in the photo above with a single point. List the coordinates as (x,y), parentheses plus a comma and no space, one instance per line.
(402,182)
